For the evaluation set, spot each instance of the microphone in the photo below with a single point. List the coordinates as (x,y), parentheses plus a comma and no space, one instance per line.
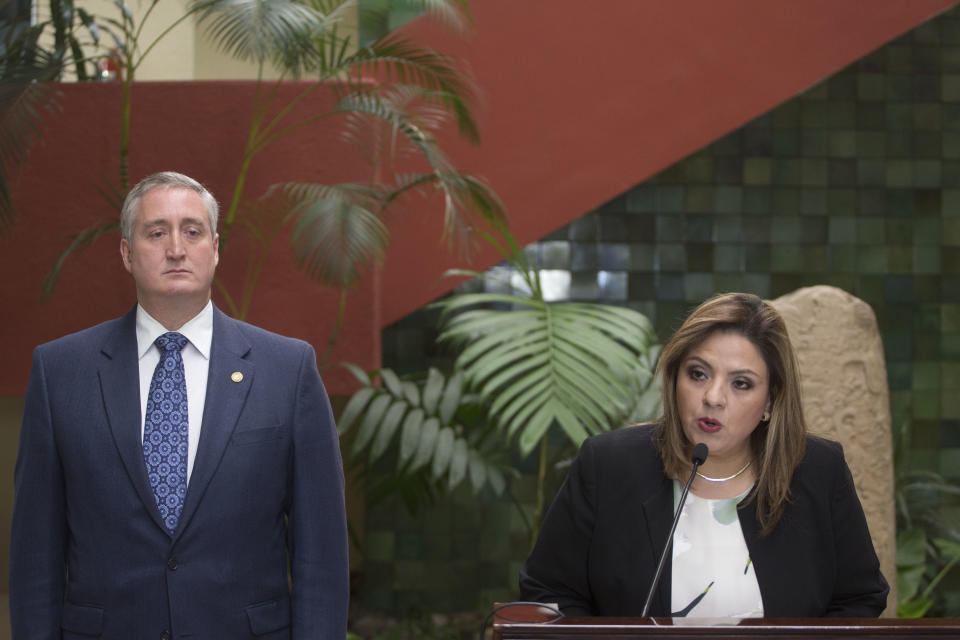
(698,458)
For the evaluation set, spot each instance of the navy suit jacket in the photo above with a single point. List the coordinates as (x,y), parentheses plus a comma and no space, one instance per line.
(90,556)
(602,538)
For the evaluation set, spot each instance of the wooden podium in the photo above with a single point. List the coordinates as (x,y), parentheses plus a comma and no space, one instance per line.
(527,622)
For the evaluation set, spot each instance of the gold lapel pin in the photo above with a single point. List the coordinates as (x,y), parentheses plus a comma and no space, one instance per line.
(236,376)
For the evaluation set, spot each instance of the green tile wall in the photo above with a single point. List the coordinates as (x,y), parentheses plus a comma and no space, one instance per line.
(854,183)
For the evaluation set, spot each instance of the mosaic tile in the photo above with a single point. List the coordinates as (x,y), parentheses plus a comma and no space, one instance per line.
(757,201)
(871,87)
(926,116)
(700,257)
(842,258)
(757,171)
(898,229)
(671,257)
(814,142)
(927,145)
(786,202)
(841,202)
(871,144)
(814,202)
(926,173)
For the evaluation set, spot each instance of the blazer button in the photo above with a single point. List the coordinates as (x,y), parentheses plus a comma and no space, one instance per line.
(164,635)
(172,565)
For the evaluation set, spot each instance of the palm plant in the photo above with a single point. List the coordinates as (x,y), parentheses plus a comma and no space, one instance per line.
(928,544)
(435,430)
(529,365)
(392,97)
(26,69)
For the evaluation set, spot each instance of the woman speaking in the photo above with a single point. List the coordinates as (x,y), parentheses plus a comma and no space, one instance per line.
(772,526)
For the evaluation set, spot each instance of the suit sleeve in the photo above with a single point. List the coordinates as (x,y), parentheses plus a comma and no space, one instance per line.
(860,590)
(317,528)
(557,570)
(39,529)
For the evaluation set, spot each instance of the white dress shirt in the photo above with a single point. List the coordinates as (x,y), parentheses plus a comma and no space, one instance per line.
(196,367)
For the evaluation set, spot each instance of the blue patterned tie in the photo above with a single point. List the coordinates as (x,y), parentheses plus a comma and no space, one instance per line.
(165,429)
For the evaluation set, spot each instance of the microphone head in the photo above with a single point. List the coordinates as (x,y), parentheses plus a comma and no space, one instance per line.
(700,452)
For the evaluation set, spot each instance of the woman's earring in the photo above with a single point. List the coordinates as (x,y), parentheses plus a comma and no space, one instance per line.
(766,416)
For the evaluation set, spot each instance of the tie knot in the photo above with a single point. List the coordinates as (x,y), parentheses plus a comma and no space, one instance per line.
(171,341)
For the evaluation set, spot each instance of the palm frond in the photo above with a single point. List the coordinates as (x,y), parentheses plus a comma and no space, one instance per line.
(262,30)
(453,14)
(463,196)
(21,121)
(418,419)
(79,241)
(338,234)
(568,364)
(397,60)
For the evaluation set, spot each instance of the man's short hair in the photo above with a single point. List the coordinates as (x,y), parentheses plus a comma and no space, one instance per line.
(165,180)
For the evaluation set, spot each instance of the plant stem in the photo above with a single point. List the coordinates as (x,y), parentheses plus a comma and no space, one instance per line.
(936,580)
(231,305)
(335,334)
(541,480)
(523,514)
(256,120)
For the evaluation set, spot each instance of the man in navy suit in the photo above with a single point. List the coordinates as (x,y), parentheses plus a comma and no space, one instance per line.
(179,474)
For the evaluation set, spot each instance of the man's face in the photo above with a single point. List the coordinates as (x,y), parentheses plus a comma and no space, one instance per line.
(172,252)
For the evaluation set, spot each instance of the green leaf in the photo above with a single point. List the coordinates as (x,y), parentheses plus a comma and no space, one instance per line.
(392,383)
(391,420)
(354,408)
(432,390)
(458,462)
(428,443)
(358,373)
(370,421)
(411,393)
(909,581)
(410,436)
(478,471)
(570,363)
(914,608)
(443,452)
(497,482)
(450,399)
(911,547)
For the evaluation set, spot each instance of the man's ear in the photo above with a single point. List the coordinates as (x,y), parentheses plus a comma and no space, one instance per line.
(125,252)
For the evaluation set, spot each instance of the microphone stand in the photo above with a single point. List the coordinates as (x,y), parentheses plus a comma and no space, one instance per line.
(698,458)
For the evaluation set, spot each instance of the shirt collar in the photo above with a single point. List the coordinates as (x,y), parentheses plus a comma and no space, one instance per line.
(198,330)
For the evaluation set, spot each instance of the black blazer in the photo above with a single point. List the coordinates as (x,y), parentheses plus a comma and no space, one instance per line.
(602,538)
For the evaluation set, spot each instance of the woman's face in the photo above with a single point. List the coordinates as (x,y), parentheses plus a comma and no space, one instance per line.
(723,388)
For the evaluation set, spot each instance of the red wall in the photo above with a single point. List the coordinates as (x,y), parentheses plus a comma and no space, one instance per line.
(198,129)
(578,104)
(582,101)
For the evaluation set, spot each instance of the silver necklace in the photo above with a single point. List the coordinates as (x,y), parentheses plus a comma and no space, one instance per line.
(709,479)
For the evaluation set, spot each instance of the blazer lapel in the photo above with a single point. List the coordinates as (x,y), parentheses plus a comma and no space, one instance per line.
(119,373)
(658,515)
(226,394)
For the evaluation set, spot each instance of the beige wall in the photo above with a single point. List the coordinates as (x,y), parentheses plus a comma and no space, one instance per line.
(183,53)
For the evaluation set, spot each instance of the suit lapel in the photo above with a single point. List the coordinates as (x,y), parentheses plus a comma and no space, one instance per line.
(226,394)
(119,373)
(658,516)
